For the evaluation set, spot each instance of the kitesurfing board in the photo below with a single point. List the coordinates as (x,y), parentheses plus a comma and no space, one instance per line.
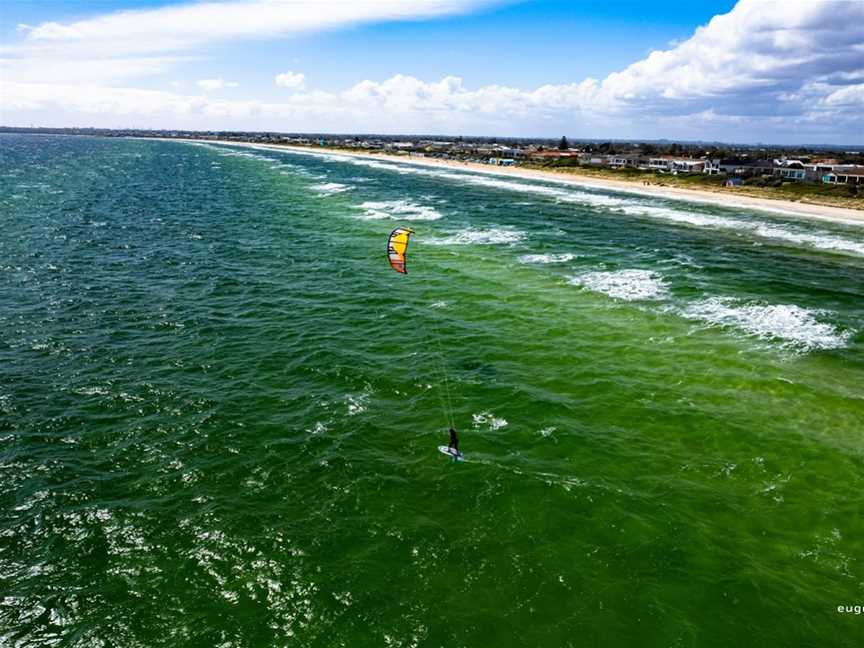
(451,453)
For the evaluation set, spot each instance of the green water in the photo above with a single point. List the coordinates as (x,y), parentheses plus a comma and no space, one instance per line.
(219,409)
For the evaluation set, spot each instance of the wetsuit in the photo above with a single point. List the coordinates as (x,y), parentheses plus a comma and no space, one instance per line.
(454,441)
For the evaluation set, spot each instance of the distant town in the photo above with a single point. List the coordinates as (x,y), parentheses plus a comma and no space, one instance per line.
(839,171)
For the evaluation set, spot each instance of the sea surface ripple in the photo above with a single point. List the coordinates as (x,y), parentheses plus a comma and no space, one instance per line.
(219,408)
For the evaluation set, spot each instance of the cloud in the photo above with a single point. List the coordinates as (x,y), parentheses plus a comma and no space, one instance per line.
(193,24)
(746,59)
(215,84)
(852,96)
(786,74)
(290,79)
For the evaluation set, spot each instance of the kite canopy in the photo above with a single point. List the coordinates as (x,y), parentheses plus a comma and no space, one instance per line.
(397,246)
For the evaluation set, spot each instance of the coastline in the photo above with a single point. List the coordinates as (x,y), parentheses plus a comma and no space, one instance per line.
(805,210)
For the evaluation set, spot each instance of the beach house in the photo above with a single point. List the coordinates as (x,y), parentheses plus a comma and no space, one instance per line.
(845,174)
(712,167)
(790,169)
(622,161)
(675,165)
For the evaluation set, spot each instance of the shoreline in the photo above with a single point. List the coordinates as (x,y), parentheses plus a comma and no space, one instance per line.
(844,215)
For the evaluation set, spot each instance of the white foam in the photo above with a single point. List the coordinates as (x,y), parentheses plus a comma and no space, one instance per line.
(483,180)
(759,228)
(398,210)
(319,428)
(628,285)
(787,322)
(488,419)
(546,258)
(331,188)
(356,404)
(820,241)
(91,391)
(473,236)
(375,164)
(492,182)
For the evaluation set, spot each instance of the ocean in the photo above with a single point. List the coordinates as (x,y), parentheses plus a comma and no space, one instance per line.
(220,407)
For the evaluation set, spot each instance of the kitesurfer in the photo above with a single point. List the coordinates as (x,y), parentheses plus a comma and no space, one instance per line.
(454,441)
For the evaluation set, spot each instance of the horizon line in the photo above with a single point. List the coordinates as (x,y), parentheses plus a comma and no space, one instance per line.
(843,147)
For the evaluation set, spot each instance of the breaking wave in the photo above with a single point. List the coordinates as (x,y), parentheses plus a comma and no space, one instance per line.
(762,229)
(797,326)
(546,258)
(331,188)
(398,209)
(474,236)
(759,228)
(627,285)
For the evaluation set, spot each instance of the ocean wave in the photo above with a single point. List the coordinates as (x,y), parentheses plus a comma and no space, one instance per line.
(788,234)
(331,188)
(92,391)
(479,179)
(398,210)
(473,236)
(627,285)
(759,228)
(820,241)
(374,164)
(244,154)
(557,193)
(546,258)
(794,325)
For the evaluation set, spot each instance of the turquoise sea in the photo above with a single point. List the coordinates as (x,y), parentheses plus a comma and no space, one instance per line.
(219,408)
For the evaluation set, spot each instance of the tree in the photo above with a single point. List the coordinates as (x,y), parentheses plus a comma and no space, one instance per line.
(563,145)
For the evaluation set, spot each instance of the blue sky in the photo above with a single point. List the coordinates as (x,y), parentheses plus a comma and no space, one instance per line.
(758,70)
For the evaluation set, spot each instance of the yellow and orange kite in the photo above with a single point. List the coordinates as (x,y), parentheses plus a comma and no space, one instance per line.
(397,246)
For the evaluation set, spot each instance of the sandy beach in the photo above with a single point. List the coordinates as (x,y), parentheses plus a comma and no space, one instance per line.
(806,210)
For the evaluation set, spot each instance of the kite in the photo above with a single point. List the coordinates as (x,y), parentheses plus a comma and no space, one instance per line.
(397,246)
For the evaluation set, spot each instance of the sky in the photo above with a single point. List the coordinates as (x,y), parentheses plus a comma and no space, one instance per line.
(784,71)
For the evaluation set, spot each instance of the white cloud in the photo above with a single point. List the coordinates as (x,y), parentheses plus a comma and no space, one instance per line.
(193,24)
(745,59)
(215,84)
(290,79)
(791,73)
(852,95)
